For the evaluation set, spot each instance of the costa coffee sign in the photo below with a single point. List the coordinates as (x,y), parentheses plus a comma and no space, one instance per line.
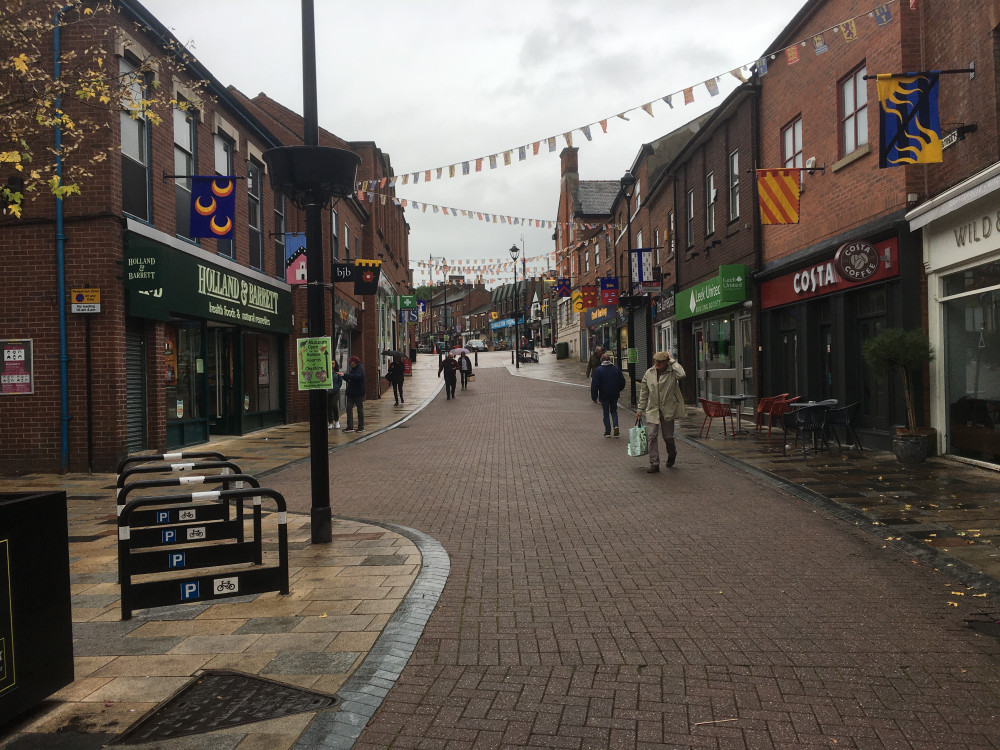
(857,262)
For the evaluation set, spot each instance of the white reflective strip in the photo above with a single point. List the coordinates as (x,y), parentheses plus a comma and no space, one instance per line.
(192,480)
(282,517)
(181,467)
(238,485)
(256,500)
(213,495)
(124,533)
(118,492)
(119,509)
(172,456)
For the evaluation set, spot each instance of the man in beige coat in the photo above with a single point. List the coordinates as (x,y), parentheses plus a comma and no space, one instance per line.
(661,399)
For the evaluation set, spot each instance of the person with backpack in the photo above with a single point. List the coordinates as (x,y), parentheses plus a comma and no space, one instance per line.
(606,386)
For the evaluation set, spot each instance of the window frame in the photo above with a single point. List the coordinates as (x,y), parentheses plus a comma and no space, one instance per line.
(184,164)
(220,139)
(137,83)
(795,158)
(255,211)
(858,115)
(734,185)
(690,218)
(710,195)
(280,208)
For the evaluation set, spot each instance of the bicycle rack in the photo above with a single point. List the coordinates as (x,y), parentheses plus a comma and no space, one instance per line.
(178,538)
(149,468)
(140,458)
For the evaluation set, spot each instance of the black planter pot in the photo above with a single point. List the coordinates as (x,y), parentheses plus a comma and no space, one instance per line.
(910,450)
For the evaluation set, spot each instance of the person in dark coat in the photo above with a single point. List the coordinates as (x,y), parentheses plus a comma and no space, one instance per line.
(465,367)
(333,398)
(595,360)
(354,393)
(606,386)
(395,374)
(449,366)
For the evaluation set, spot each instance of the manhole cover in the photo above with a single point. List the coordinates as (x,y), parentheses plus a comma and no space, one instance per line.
(219,699)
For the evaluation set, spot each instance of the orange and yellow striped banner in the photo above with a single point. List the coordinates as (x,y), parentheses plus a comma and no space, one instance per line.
(778,193)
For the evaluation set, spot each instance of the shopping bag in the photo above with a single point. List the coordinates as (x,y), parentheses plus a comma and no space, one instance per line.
(471,377)
(638,439)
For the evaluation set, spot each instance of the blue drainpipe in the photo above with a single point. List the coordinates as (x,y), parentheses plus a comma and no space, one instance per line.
(61,256)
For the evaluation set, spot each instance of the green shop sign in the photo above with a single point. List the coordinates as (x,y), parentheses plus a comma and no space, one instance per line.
(163,282)
(407,301)
(730,287)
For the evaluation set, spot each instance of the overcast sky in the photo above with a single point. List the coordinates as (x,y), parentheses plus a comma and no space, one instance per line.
(439,82)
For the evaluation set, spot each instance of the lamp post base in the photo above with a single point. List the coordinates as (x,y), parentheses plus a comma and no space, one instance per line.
(320,523)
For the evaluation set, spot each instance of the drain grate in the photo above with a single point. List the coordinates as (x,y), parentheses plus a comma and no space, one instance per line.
(219,699)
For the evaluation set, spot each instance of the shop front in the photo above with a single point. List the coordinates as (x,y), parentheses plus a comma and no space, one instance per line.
(601,324)
(715,318)
(222,330)
(816,318)
(665,323)
(961,253)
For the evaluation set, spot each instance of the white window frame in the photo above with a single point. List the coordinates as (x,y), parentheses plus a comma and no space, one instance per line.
(734,185)
(710,195)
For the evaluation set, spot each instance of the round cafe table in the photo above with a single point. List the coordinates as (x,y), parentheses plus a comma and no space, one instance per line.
(737,401)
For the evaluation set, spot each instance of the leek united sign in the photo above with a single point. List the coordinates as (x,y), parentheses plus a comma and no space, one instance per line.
(164,282)
(728,288)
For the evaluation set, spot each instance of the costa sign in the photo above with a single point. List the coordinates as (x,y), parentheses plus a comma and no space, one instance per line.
(856,262)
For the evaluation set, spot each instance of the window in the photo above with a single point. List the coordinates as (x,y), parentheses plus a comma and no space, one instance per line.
(135,155)
(224,166)
(183,165)
(637,198)
(255,171)
(853,111)
(279,236)
(586,261)
(334,236)
(690,218)
(656,247)
(791,144)
(607,246)
(734,185)
(672,231)
(709,203)
(597,251)
(347,242)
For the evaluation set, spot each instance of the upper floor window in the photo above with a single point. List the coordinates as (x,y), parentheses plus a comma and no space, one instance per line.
(184,141)
(279,235)
(709,203)
(255,171)
(334,236)
(690,218)
(672,232)
(853,111)
(586,261)
(734,185)
(347,242)
(597,251)
(607,246)
(134,139)
(656,247)
(224,148)
(791,144)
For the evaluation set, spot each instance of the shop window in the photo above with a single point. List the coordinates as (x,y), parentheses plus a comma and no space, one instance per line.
(134,140)
(184,371)
(261,373)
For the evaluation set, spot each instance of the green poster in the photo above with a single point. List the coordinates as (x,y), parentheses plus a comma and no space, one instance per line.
(632,355)
(315,363)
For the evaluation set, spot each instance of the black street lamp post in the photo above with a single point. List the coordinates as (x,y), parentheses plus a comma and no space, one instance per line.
(514,252)
(628,186)
(310,175)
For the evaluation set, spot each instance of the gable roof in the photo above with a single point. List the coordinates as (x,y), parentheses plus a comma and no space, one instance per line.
(597,196)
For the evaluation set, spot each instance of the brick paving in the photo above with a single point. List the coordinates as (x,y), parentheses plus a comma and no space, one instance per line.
(591,605)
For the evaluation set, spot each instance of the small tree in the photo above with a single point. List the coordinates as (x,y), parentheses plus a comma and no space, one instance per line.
(34,102)
(906,351)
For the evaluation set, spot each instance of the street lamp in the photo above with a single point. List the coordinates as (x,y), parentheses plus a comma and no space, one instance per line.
(514,252)
(310,175)
(628,188)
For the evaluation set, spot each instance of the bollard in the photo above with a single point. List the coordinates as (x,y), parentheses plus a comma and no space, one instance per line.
(475,355)
(512,356)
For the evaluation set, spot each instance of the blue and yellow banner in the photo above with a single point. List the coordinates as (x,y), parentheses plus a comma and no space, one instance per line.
(910,127)
(213,207)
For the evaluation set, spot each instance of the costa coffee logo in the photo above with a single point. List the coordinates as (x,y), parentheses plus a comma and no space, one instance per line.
(856,261)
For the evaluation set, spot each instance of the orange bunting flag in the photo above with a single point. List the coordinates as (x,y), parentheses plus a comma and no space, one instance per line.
(534,148)
(688,95)
(778,195)
(427,176)
(604,125)
(479,165)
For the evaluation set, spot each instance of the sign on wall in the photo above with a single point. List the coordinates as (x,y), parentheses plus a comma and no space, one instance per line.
(728,288)
(16,368)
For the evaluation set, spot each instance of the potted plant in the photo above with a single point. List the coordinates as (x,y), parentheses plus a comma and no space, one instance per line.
(905,351)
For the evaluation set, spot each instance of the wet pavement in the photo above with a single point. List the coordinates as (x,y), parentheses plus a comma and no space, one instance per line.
(587,604)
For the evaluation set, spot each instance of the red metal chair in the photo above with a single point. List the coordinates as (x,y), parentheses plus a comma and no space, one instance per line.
(714,409)
(764,409)
(778,411)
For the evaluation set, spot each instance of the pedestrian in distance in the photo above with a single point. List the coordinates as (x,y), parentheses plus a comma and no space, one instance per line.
(465,367)
(595,360)
(606,386)
(661,400)
(333,398)
(449,366)
(354,393)
(395,374)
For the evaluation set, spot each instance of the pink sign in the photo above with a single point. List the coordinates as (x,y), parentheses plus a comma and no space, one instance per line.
(15,370)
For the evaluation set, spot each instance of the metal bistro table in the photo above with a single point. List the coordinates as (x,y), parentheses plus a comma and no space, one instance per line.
(737,401)
(829,403)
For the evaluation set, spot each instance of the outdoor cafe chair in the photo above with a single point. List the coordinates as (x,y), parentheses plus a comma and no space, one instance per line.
(844,417)
(714,409)
(764,409)
(809,420)
(777,413)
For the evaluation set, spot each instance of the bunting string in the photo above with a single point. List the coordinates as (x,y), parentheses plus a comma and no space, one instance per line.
(881,14)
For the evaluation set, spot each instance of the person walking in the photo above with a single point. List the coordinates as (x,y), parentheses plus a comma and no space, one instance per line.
(661,399)
(606,385)
(450,369)
(333,398)
(465,367)
(395,374)
(595,360)
(354,393)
